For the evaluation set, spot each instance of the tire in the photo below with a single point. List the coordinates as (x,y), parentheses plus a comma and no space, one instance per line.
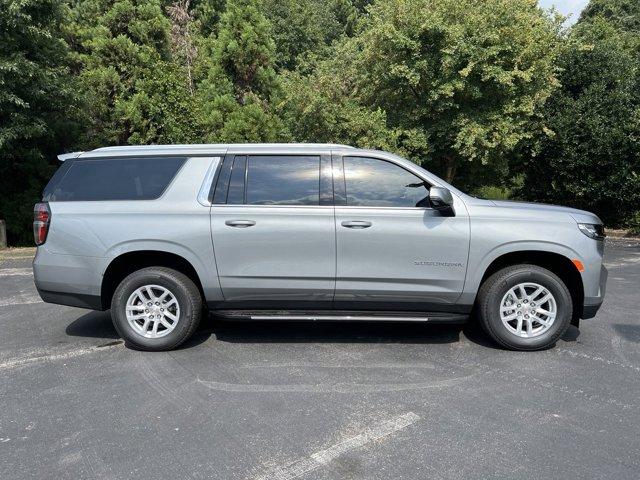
(497,292)
(183,303)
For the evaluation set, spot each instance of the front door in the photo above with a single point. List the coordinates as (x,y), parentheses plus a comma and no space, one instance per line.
(273,231)
(393,249)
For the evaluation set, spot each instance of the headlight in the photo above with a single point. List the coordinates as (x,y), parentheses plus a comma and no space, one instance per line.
(591,230)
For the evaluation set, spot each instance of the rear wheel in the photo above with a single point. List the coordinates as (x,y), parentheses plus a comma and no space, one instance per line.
(525,307)
(156,308)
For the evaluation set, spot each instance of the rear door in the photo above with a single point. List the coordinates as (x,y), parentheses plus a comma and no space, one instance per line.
(393,249)
(273,229)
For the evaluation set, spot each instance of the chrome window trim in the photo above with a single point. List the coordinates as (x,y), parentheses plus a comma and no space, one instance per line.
(358,207)
(236,205)
(205,188)
(362,207)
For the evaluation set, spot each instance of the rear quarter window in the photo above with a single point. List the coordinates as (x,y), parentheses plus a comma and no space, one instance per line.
(112,179)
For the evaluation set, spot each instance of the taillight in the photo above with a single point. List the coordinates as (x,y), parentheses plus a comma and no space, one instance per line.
(41,220)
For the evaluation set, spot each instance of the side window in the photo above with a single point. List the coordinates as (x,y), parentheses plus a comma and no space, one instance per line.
(236,183)
(375,183)
(283,180)
(143,178)
(222,185)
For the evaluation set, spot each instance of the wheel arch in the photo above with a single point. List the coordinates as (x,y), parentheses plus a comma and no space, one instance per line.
(128,262)
(557,263)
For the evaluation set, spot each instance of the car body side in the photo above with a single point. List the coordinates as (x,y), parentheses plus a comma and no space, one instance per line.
(86,238)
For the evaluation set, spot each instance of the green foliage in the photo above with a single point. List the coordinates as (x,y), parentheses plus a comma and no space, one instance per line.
(162,109)
(304,28)
(469,74)
(245,50)
(590,157)
(320,108)
(241,80)
(464,78)
(492,192)
(634,223)
(491,93)
(207,14)
(36,106)
(120,46)
(624,15)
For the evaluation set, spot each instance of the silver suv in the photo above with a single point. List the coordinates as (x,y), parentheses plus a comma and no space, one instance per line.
(304,232)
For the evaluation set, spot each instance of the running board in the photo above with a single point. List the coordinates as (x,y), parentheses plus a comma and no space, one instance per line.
(349,316)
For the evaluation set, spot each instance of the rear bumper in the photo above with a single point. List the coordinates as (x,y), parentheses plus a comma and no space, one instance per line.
(68,279)
(92,302)
(592,304)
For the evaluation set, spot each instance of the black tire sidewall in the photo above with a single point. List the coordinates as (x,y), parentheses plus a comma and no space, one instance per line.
(164,278)
(502,284)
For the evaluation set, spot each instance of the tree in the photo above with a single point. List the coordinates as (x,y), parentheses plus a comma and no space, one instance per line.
(207,13)
(245,50)
(125,59)
(182,44)
(320,107)
(163,109)
(624,15)
(241,81)
(37,106)
(302,28)
(590,157)
(469,75)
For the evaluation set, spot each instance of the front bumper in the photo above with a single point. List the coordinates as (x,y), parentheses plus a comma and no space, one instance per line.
(591,305)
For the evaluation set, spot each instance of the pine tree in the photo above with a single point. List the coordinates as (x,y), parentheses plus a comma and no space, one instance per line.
(241,82)
(136,81)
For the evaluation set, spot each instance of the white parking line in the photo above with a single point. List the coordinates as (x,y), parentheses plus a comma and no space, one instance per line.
(8,272)
(330,387)
(48,357)
(323,457)
(24,299)
(595,358)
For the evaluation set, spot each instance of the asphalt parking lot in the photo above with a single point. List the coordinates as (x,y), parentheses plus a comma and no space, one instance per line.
(317,401)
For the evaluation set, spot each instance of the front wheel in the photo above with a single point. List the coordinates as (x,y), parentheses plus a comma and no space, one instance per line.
(525,307)
(156,308)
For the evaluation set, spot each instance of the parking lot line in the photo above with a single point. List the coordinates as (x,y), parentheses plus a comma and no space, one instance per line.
(49,357)
(331,387)
(326,456)
(9,272)
(20,300)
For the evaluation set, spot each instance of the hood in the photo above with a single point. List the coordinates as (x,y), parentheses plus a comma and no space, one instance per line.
(580,216)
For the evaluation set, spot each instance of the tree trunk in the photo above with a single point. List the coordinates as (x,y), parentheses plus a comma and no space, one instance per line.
(450,165)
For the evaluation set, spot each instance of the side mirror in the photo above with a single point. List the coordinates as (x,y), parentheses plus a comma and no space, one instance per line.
(442,200)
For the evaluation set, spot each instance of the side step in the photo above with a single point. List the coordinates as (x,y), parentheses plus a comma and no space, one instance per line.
(337,315)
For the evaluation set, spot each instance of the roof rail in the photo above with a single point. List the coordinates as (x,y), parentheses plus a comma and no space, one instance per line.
(123,148)
(68,156)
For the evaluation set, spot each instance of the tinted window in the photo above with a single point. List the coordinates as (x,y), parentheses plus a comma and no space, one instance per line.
(376,183)
(285,180)
(113,179)
(222,184)
(236,184)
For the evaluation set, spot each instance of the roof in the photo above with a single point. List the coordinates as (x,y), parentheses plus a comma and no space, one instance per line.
(205,149)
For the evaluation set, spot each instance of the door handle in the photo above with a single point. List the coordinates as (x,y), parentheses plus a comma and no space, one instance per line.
(240,223)
(358,224)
